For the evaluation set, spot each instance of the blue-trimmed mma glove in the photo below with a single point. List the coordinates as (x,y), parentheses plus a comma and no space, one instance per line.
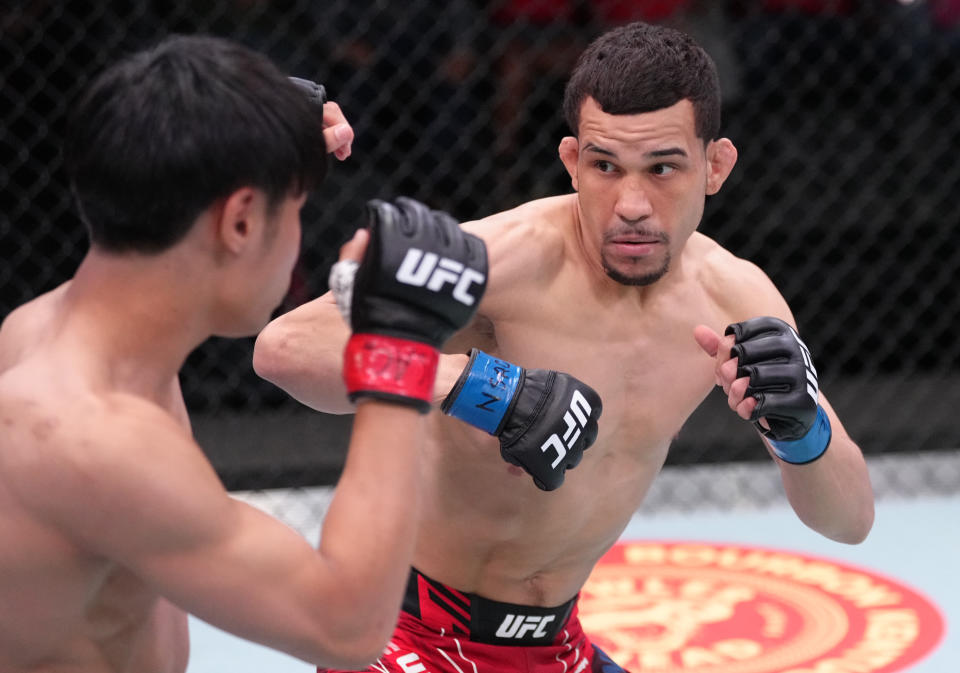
(544,419)
(784,382)
(420,280)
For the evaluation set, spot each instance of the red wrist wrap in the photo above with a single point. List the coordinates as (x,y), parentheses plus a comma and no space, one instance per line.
(389,368)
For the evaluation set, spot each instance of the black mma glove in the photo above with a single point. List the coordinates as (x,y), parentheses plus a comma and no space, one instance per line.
(420,280)
(545,419)
(784,382)
(316,93)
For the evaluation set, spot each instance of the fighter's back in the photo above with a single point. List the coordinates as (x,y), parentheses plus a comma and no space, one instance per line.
(65,608)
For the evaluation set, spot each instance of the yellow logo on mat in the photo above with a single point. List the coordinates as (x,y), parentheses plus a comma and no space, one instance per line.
(708,608)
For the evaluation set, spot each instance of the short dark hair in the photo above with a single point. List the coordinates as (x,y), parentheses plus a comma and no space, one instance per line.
(641,67)
(164,133)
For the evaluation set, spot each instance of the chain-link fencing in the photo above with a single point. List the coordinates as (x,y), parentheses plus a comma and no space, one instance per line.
(844,113)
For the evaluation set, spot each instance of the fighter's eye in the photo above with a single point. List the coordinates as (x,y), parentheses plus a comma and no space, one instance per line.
(663,169)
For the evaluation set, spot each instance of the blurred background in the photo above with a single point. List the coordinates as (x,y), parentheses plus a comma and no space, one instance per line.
(845,113)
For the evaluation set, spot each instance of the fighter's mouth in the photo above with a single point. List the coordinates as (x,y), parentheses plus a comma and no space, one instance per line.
(635,241)
(636,237)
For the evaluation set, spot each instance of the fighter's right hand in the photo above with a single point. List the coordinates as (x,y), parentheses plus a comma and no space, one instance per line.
(420,280)
(545,419)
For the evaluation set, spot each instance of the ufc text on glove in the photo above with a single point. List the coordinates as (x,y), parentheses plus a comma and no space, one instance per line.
(420,280)
(544,419)
(784,382)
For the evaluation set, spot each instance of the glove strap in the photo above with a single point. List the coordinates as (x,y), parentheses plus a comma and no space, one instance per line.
(482,394)
(391,369)
(809,447)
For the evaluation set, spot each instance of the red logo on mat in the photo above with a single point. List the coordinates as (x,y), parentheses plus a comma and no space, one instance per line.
(709,608)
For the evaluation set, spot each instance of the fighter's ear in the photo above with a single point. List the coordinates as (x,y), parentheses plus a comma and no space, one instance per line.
(236,221)
(569,151)
(721,157)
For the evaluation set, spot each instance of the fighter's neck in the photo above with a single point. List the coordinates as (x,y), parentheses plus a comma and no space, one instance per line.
(139,316)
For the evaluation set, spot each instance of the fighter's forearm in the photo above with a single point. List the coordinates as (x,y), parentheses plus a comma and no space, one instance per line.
(302,353)
(768,375)
(832,495)
(370,528)
(448,371)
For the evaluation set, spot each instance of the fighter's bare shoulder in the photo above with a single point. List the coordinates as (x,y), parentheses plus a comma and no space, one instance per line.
(20,328)
(527,242)
(108,451)
(739,287)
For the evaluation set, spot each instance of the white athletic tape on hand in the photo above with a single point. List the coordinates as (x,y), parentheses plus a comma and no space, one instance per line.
(341,284)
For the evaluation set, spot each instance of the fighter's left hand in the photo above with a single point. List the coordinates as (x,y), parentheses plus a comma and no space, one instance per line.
(725,370)
(769,378)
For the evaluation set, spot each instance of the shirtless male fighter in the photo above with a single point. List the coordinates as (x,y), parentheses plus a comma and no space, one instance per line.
(613,285)
(190,162)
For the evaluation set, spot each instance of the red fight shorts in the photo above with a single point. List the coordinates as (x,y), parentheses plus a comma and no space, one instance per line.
(442,630)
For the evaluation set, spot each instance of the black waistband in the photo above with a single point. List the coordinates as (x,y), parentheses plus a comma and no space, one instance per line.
(481,619)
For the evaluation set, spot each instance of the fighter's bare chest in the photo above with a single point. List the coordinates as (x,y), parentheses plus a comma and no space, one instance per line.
(647,368)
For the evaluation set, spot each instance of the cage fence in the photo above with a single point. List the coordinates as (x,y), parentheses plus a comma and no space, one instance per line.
(844,113)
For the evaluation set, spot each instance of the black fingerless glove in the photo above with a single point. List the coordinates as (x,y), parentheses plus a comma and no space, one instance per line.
(421,279)
(544,419)
(316,93)
(784,382)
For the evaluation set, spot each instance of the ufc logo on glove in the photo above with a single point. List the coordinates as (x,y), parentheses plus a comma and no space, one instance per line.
(397,300)
(812,384)
(428,269)
(783,380)
(522,407)
(576,420)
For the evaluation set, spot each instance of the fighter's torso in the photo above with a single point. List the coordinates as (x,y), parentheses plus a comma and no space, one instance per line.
(64,608)
(487,529)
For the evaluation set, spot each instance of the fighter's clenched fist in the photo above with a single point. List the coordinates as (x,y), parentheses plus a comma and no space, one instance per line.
(544,419)
(420,280)
(770,379)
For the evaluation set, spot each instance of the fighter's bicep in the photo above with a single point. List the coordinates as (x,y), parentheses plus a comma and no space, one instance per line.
(247,558)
